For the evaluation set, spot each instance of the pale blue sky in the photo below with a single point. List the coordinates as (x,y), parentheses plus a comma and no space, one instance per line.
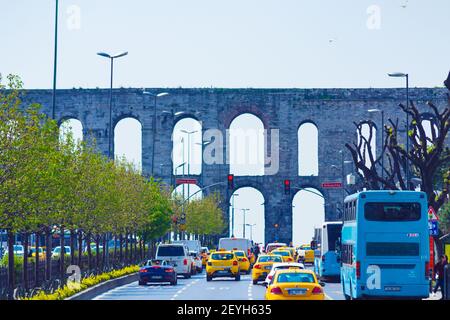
(229,43)
(232,43)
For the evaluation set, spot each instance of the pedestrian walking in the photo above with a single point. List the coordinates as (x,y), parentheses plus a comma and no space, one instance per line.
(439,270)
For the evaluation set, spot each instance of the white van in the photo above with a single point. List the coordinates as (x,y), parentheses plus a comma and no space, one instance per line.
(236,244)
(176,255)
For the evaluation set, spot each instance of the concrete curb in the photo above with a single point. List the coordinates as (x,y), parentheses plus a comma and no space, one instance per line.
(103,287)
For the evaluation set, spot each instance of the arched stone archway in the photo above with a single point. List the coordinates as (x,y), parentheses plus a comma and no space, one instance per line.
(247,201)
(187,148)
(308,149)
(246,146)
(128,141)
(71,126)
(308,212)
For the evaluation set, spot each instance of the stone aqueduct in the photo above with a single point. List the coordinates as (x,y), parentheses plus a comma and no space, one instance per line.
(331,110)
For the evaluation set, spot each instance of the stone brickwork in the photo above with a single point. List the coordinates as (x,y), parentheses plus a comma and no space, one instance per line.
(333,111)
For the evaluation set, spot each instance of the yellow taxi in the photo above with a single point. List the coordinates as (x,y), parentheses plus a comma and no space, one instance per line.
(292,250)
(285,254)
(244,263)
(263,265)
(41,252)
(295,284)
(223,263)
(306,253)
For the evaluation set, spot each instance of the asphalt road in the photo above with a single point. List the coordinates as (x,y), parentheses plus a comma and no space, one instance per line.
(197,288)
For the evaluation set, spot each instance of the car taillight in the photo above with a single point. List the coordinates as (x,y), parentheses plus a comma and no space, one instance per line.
(235,263)
(358,269)
(169,270)
(276,290)
(289,259)
(257,266)
(270,277)
(143,270)
(244,259)
(185,262)
(316,290)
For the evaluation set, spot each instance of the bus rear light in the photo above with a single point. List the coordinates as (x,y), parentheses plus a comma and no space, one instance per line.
(358,270)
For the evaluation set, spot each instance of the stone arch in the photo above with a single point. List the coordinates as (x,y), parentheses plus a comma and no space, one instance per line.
(131,148)
(255,220)
(246,145)
(71,124)
(189,190)
(308,149)
(308,212)
(186,148)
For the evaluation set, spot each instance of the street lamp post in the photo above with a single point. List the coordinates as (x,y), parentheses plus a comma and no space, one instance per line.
(232,212)
(111,58)
(382,138)
(251,229)
(189,133)
(406,76)
(203,144)
(55,61)
(244,211)
(155,96)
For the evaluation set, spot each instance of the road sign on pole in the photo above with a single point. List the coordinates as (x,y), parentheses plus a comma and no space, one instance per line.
(186,181)
(332,185)
(432,214)
(433,226)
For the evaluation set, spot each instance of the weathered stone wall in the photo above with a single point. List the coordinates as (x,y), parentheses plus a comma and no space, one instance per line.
(333,111)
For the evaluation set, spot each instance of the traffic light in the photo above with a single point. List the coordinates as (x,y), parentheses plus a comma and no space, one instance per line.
(287,186)
(230,181)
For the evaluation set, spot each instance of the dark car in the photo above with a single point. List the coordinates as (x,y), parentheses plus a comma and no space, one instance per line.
(157,271)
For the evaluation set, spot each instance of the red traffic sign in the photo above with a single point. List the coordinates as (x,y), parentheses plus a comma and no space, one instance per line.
(186,181)
(432,214)
(332,185)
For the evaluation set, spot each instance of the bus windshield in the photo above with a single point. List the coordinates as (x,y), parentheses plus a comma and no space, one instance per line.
(334,233)
(392,211)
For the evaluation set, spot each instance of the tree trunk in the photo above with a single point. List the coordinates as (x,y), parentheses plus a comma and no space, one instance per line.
(62,255)
(97,253)
(88,244)
(126,248)
(11,269)
(135,249)
(36,261)
(105,249)
(48,254)
(121,249)
(72,247)
(115,249)
(25,262)
(141,251)
(80,248)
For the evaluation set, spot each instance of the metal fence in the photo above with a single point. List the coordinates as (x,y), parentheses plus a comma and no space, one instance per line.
(33,285)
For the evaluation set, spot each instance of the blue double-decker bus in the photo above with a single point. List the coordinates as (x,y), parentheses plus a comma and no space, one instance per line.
(385,245)
(327,262)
